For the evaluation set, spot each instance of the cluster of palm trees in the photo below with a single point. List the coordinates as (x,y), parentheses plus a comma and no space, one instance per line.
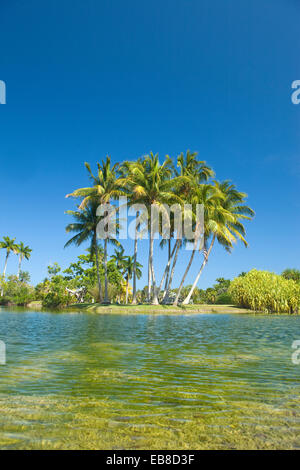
(10,246)
(147,182)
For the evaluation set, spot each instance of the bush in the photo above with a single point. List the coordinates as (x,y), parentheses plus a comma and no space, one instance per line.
(17,292)
(266,292)
(55,300)
(224,299)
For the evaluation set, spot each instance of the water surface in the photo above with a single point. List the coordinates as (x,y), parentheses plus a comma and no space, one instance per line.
(77,380)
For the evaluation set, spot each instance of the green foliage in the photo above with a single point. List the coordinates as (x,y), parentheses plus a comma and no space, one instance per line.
(266,292)
(53,269)
(16,292)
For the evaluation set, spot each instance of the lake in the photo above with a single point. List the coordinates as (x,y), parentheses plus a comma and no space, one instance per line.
(90,381)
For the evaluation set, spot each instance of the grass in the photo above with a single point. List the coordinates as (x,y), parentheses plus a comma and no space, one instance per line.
(156,309)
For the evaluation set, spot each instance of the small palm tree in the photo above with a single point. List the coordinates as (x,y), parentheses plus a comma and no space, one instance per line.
(10,246)
(105,188)
(85,226)
(119,258)
(128,272)
(23,252)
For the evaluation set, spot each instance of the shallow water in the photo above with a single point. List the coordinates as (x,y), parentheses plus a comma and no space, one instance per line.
(77,380)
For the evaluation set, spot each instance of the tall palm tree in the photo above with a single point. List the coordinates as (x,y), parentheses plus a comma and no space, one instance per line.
(193,172)
(105,188)
(128,272)
(23,252)
(85,226)
(209,196)
(151,183)
(10,246)
(224,224)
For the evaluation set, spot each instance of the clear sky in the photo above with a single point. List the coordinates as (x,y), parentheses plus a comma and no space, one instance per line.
(94,77)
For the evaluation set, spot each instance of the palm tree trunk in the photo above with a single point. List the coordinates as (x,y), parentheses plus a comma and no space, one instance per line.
(168,264)
(134,260)
(178,243)
(19,268)
(127,285)
(167,270)
(154,298)
(97,266)
(5,265)
(184,276)
(106,299)
(4,271)
(188,297)
(149,276)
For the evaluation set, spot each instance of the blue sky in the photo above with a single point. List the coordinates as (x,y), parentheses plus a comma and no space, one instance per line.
(90,78)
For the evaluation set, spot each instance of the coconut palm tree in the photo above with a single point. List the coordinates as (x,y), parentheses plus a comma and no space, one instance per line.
(223,223)
(105,188)
(209,197)
(85,226)
(189,166)
(128,272)
(105,184)
(10,246)
(152,183)
(23,252)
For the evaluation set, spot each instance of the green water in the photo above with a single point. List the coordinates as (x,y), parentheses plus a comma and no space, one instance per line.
(87,381)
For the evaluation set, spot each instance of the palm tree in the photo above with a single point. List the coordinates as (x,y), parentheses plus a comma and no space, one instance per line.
(224,224)
(86,229)
(119,258)
(105,188)
(193,172)
(189,166)
(23,252)
(209,196)
(152,184)
(9,245)
(128,271)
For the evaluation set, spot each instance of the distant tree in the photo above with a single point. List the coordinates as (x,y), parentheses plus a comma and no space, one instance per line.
(9,245)
(291,273)
(24,276)
(23,252)
(53,269)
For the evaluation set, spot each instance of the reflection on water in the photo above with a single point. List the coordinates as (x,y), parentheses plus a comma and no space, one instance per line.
(144,381)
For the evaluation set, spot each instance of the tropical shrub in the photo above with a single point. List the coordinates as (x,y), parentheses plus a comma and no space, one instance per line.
(266,292)
(16,292)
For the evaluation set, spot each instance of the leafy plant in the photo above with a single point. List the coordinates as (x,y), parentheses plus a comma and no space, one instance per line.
(266,292)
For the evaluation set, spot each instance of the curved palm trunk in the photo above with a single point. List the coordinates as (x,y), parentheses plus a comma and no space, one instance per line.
(4,271)
(134,260)
(188,297)
(166,273)
(167,270)
(166,296)
(106,299)
(97,267)
(184,276)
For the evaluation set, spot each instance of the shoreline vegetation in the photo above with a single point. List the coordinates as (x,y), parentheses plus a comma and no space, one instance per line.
(103,276)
